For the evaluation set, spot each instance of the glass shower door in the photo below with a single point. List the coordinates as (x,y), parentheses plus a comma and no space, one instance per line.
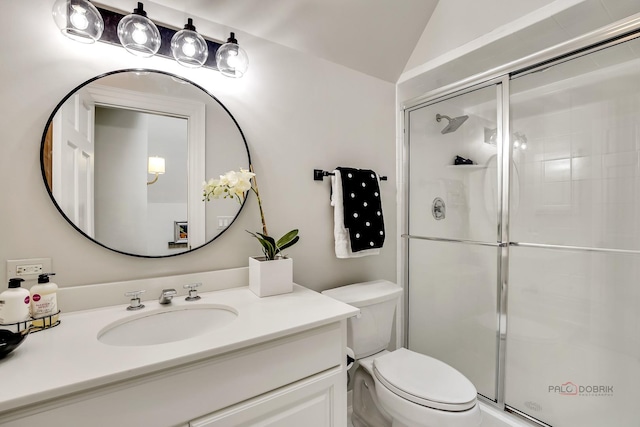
(453,227)
(573,338)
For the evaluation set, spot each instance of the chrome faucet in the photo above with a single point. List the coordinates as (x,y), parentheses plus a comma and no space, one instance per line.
(167,295)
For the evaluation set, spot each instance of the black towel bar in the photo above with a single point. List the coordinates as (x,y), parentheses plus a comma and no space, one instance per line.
(319,174)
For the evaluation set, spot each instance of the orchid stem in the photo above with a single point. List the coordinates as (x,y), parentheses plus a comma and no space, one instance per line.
(254,187)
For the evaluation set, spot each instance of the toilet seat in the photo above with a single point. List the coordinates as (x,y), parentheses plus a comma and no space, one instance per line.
(425,381)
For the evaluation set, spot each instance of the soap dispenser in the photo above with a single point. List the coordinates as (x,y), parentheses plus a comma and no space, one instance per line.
(44,302)
(14,305)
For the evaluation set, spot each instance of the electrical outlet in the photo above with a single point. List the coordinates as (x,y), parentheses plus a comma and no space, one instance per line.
(28,269)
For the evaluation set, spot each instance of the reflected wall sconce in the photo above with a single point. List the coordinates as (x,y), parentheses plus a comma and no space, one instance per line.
(79,20)
(82,21)
(519,139)
(231,59)
(138,34)
(155,167)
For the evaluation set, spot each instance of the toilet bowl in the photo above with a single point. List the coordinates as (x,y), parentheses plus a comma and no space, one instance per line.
(400,388)
(418,390)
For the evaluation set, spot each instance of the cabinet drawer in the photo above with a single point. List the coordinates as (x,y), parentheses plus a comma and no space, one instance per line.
(308,403)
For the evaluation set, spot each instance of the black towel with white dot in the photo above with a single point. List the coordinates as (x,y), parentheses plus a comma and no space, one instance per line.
(362,208)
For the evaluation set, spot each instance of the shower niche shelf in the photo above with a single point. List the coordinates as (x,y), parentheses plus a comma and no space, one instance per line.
(466,167)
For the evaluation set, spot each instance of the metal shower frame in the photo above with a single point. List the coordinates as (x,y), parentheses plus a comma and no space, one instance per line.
(500,77)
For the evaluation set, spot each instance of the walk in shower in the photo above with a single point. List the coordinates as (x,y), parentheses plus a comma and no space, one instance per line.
(522,257)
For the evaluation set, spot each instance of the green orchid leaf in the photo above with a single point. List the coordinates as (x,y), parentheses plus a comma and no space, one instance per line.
(268,244)
(289,244)
(267,248)
(286,238)
(270,239)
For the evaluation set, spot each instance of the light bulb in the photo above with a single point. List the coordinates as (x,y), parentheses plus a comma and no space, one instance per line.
(232,59)
(139,35)
(188,48)
(516,144)
(78,18)
(523,146)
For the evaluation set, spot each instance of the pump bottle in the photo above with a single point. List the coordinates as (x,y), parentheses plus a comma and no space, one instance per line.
(44,302)
(14,306)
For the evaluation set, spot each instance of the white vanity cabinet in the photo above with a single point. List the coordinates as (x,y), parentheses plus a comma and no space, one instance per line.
(280,362)
(298,379)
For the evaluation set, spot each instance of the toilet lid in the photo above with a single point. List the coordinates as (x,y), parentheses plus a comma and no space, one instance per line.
(425,380)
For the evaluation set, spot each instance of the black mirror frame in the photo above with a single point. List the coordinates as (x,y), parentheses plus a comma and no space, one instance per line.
(138,70)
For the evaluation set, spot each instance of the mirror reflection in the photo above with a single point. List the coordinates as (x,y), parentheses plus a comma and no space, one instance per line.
(124,156)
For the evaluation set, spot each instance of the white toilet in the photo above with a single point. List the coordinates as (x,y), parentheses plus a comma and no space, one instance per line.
(399,388)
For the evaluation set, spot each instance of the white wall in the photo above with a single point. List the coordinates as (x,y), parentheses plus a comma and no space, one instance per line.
(297,112)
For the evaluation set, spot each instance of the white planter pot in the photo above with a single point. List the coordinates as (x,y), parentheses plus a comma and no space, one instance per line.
(268,278)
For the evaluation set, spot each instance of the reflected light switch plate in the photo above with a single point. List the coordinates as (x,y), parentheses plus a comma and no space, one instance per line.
(224,222)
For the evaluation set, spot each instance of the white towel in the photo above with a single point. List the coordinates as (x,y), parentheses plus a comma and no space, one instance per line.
(340,233)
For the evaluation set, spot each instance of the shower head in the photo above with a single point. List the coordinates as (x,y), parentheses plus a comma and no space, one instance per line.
(453,124)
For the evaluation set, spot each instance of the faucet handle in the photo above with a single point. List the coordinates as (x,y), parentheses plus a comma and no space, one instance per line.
(193,293)
(135,303)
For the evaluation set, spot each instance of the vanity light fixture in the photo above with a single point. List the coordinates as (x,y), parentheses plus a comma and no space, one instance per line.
(231,59)
(155,166)
(138,34)
(78,19)
(82,21)
(188,47)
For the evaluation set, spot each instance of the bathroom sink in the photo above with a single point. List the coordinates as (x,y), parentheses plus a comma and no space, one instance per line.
(167,325)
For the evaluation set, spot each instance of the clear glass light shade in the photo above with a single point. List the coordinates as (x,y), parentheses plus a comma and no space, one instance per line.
(189,48)
(231,59)
(138,34)
(78,19)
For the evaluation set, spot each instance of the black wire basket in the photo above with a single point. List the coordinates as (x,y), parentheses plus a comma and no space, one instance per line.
(14,334)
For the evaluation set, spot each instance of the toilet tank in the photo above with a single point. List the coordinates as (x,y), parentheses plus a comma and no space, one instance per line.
(377,300)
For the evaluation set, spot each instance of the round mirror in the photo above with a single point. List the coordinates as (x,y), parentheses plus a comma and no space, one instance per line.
(124,156)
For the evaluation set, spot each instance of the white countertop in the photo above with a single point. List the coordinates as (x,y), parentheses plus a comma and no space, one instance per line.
(69,358)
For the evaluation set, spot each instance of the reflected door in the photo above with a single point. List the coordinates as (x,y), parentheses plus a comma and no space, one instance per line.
(73,160)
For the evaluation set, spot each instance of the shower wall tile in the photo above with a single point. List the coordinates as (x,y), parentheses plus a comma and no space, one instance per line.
(582,144)
(620,191)
(586,195)
(557,196)
(558,146)
(620,165)
(622,137)
(557,170)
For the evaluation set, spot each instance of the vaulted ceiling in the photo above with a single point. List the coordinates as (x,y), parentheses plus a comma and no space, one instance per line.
(375,37)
